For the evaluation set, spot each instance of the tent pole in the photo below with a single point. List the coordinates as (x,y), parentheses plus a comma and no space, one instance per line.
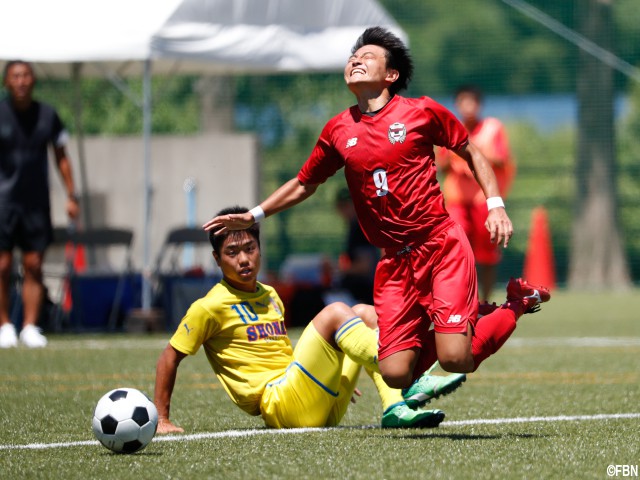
(146,132)
(76,74)
(85,211)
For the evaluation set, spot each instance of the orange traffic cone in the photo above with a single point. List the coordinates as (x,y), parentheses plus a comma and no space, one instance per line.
(539,262)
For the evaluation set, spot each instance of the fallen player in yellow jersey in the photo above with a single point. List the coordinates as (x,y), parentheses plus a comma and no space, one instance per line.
(240,325)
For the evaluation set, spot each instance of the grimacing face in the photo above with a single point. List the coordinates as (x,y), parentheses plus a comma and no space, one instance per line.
(368,65)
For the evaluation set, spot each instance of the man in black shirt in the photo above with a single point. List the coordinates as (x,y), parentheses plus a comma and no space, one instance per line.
(27,127)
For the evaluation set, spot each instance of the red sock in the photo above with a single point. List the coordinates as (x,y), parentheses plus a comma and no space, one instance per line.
(491,331)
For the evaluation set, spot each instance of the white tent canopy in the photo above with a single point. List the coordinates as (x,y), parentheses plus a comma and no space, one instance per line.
(55,34)
(133,37)
(259,35)
(189,36)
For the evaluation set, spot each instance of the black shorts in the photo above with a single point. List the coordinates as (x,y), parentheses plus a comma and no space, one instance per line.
(28,229)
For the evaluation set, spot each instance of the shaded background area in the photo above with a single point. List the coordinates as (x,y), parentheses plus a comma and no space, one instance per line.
(528,69)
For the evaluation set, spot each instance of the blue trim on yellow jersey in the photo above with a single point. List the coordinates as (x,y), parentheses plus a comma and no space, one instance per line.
(352,322)
(306,372)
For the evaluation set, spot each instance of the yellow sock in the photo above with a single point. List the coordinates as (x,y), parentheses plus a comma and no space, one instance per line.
(359,343)
(389,396)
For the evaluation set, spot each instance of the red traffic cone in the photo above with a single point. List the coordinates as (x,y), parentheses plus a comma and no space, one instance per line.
(76,255)
(539,262)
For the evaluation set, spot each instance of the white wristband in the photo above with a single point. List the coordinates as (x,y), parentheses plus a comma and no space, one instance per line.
(258,213)
(494,202)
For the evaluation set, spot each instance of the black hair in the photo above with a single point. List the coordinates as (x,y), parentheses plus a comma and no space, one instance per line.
(398,56)
(472,90)
(10,64)
(218,240)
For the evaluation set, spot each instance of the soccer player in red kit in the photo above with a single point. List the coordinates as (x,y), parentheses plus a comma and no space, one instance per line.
(385,144)
(463,196)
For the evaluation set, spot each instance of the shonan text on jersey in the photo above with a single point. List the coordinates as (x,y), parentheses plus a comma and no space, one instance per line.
(389,166)
(244,337)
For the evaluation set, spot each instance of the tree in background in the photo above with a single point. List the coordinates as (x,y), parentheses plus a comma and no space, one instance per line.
(597,258)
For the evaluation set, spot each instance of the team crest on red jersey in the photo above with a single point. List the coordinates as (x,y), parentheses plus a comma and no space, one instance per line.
(397,133)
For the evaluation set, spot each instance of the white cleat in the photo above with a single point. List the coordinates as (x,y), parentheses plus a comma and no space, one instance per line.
(8,337)
(31,337)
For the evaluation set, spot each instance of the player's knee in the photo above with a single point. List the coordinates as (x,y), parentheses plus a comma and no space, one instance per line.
(367,313)
(332,316)
(396,376)
(456,362)
(454,352)
(397,380)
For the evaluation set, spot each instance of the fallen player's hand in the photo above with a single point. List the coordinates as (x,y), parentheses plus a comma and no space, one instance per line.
(165,426)
(355,392)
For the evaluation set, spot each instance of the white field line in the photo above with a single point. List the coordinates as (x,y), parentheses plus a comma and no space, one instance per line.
(293,431)
(574,342)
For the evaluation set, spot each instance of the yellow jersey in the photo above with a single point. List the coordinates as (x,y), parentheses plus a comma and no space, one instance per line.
(244,338)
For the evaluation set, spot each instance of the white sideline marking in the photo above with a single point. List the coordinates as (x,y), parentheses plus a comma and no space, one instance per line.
(574,342)
(249,433)
(561,418)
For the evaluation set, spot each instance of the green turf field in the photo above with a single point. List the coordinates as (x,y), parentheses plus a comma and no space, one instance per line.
(560,400)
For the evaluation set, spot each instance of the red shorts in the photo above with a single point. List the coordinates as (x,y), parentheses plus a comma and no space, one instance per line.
(472,218)
(433,282)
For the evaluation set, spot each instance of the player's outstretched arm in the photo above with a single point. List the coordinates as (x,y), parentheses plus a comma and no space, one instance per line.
(288,195)
(166,372)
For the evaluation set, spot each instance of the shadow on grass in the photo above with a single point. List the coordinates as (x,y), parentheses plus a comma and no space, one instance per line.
(463,436)
(135,454)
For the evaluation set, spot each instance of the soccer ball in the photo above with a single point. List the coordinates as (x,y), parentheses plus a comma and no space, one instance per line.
(125,420)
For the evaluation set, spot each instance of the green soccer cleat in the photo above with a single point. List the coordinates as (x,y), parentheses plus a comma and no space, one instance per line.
(401,416)
(428,387)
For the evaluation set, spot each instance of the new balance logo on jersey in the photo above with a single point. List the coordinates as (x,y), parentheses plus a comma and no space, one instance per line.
(454,319)
(397,133)
(352,142)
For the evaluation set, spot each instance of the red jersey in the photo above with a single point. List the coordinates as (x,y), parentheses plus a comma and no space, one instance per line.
(390,166)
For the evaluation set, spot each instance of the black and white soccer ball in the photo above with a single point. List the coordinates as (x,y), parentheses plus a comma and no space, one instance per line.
(125,420)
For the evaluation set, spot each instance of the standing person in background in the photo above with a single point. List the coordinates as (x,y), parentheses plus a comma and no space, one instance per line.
(464,199)
(27,127)
(358,266)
